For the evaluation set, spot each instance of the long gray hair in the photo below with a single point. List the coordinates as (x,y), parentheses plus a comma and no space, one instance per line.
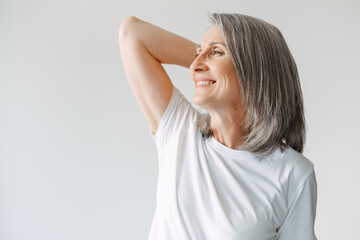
(269,83)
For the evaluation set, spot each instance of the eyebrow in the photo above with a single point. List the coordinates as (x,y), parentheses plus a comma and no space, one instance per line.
(212,44)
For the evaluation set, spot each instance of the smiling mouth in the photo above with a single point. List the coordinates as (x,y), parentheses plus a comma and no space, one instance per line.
(204,83)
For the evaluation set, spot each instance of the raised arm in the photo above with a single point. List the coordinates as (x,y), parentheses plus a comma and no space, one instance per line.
(144,47)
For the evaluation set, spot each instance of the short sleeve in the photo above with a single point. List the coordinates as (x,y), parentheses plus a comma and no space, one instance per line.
(177,116)
(300,219)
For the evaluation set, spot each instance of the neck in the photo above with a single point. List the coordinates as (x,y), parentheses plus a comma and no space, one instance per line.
(227,129)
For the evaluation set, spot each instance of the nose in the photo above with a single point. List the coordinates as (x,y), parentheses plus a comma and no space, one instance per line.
(199,64)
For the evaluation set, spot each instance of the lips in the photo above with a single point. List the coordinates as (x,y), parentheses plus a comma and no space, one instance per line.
(204,79)
(203,82)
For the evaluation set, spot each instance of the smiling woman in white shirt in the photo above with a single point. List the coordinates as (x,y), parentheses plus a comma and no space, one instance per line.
(236,172)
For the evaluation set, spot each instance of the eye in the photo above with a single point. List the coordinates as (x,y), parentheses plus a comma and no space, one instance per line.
(211,52)
(216,52)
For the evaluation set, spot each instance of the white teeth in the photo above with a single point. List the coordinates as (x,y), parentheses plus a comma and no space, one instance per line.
(204,83)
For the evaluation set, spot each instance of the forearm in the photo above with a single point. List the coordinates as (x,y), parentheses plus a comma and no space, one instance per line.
(164,46)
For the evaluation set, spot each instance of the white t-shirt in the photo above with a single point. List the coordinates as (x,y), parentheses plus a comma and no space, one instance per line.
(208,191)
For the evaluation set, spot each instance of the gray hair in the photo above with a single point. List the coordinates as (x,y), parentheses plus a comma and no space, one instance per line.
(269,83)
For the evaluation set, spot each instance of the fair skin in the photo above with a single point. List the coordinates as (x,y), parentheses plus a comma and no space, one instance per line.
(222,99)
(145,47)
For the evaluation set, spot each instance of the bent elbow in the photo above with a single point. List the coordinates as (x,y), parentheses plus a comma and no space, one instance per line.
(127,26)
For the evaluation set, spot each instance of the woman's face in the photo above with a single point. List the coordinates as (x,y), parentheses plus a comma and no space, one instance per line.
(216,83)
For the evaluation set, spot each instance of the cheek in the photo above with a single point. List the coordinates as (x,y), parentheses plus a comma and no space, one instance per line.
(226,79)
(232,76)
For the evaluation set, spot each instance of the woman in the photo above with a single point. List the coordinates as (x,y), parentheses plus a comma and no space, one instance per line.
(236,172)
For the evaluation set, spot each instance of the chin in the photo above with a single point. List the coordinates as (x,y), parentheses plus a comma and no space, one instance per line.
(197,100)
(200,101)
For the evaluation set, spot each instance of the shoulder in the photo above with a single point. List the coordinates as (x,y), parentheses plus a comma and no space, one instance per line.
(290,169)
(297,164)
(298,197)
(182,108)
(293,170)
(178,115)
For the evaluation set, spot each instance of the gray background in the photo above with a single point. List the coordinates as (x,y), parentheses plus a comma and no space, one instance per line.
(76,159)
